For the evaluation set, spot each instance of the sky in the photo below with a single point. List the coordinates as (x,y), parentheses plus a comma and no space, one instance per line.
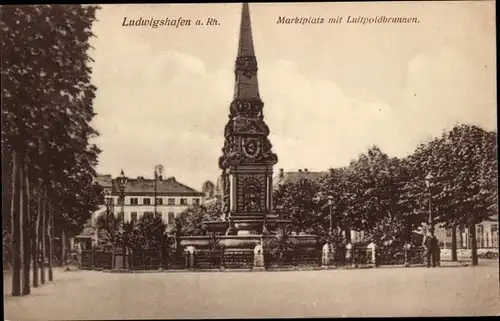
(330,91)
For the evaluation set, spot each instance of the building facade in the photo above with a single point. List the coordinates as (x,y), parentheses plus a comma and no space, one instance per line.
(486,235)
(172,198)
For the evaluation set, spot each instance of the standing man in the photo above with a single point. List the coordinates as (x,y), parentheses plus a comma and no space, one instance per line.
(432,247)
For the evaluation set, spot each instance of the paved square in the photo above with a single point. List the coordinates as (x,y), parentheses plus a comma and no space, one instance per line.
(85,295)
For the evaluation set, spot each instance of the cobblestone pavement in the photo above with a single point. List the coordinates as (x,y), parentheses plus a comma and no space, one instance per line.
(84,295)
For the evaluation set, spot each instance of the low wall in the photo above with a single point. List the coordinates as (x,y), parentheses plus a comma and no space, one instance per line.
(244,242)
(466,254)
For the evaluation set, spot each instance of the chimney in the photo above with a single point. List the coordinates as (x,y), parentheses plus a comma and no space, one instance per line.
(282,173)
(306,170)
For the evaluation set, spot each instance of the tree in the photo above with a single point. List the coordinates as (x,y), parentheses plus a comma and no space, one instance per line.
(191,220)
(281,243)
(46,112)
(464,189)
(471,190)
(150,232)
(297,202)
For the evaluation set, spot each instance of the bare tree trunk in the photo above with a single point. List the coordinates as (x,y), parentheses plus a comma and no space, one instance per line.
(26,231)
(36,238)
(50,232)
(16,222)
(473,243)
(347,235)
(454,243)
(461,230)
(63,248)
(43,235)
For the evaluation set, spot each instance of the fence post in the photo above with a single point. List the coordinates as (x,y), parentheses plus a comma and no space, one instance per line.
(348,254)
(327,255)
(190,256)
(258,258)
(373,249)
(407,247)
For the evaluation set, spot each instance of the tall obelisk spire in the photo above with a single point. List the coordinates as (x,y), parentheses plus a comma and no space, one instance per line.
(246,84)
(245,45)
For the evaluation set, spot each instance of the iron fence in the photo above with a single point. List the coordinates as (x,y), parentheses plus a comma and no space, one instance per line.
(306,258)
(87,260)
(209,259)
(175,260)
(238,259)
(358,256)
(103,260)
(146,260)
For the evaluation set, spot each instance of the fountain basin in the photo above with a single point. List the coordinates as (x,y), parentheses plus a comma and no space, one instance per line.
(216,226)
(244,242)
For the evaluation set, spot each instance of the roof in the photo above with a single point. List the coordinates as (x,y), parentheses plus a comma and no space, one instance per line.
(86,233)
(143,186)
(294,177)
(104,180)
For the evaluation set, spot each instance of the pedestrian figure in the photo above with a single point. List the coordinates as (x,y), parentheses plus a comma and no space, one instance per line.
(432,247)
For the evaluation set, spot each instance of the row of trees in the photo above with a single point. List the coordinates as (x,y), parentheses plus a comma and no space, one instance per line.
(47,158)
(388,198)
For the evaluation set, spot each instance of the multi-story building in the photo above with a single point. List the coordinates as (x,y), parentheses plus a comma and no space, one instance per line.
(172,197)
(486,235)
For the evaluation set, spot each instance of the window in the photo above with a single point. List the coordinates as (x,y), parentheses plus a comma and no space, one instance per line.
(134,201)
(159,201)
(133,216)
(196,201)
(150,214)
(171,201)
(146,201)
(171,218)
(120,216)
(494,228)
(184,201)
(160,214)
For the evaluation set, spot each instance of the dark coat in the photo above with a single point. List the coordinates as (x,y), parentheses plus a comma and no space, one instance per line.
(431,243)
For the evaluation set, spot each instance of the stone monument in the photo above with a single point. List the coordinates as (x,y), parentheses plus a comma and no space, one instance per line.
(247,160)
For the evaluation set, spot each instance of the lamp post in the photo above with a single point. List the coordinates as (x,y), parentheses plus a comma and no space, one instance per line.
(330,204)
(407,247)
(122,183)
(109,208)
(428,182)
(158,173)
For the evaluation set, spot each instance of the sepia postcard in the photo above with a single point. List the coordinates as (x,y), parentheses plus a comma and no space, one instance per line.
(249,160)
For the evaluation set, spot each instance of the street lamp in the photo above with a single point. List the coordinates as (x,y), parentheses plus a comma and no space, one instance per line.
(158,173)
(122,183)
(330,204)
(428,182)
(109,206)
